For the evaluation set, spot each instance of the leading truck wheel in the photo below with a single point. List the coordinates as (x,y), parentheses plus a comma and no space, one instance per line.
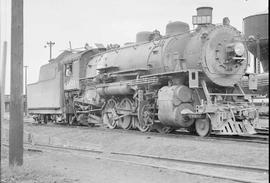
(203,127)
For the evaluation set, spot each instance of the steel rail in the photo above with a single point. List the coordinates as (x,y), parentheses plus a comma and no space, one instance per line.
(214,164)
(191,162)
(262,139)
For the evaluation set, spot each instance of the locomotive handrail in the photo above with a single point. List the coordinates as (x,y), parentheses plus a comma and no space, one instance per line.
(88,111)
(166,73)
(92,77)
(163,37)
(130,70)
(227,94)
(134,74)
(137,44)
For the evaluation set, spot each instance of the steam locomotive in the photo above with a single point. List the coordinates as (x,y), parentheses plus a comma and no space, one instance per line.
(185,79)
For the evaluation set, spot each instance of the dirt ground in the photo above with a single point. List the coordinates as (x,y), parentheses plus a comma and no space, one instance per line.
(64,167)
(57,167)
(249,154)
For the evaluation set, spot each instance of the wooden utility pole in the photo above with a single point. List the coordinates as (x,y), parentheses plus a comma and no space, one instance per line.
(16,85)
(3,72)
(1,119)
(3,78)
(0,131)
(2,92)
(25,89)
(50,44)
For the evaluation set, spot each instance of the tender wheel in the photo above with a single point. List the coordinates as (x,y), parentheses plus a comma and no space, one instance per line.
(69,119)
(39,119)
(53,118)
(145,117)
(45,118)
(125,122)
(203,127)
(108,114)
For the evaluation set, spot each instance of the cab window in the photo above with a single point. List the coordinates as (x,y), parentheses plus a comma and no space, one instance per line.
(68,69)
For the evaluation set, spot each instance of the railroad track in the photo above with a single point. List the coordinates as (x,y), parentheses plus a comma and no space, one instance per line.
(258,139)
(224,171)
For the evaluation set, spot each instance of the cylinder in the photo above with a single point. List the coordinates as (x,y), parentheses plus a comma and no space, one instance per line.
(177,27)
(115,90)
(183,93)
(171,102)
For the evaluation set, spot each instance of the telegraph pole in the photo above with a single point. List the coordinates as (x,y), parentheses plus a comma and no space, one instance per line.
(50,44)
(25,89)
(1,115)
(3,78)
(2,91)
(16,85)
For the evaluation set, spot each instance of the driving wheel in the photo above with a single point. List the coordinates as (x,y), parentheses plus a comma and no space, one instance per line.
(125,122)
(108,114)
(145,117)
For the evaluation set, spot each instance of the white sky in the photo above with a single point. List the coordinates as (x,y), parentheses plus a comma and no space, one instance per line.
(105,21)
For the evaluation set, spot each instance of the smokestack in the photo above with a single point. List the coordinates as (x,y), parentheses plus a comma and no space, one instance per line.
(204,11)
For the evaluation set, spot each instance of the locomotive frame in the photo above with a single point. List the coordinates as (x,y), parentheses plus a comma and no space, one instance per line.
(186,79)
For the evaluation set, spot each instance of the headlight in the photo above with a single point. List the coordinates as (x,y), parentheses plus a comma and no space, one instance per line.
(239,49)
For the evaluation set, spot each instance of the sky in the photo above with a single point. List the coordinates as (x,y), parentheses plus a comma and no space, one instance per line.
(106,22)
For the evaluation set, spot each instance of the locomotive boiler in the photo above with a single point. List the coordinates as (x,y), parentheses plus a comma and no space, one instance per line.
(183,79)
